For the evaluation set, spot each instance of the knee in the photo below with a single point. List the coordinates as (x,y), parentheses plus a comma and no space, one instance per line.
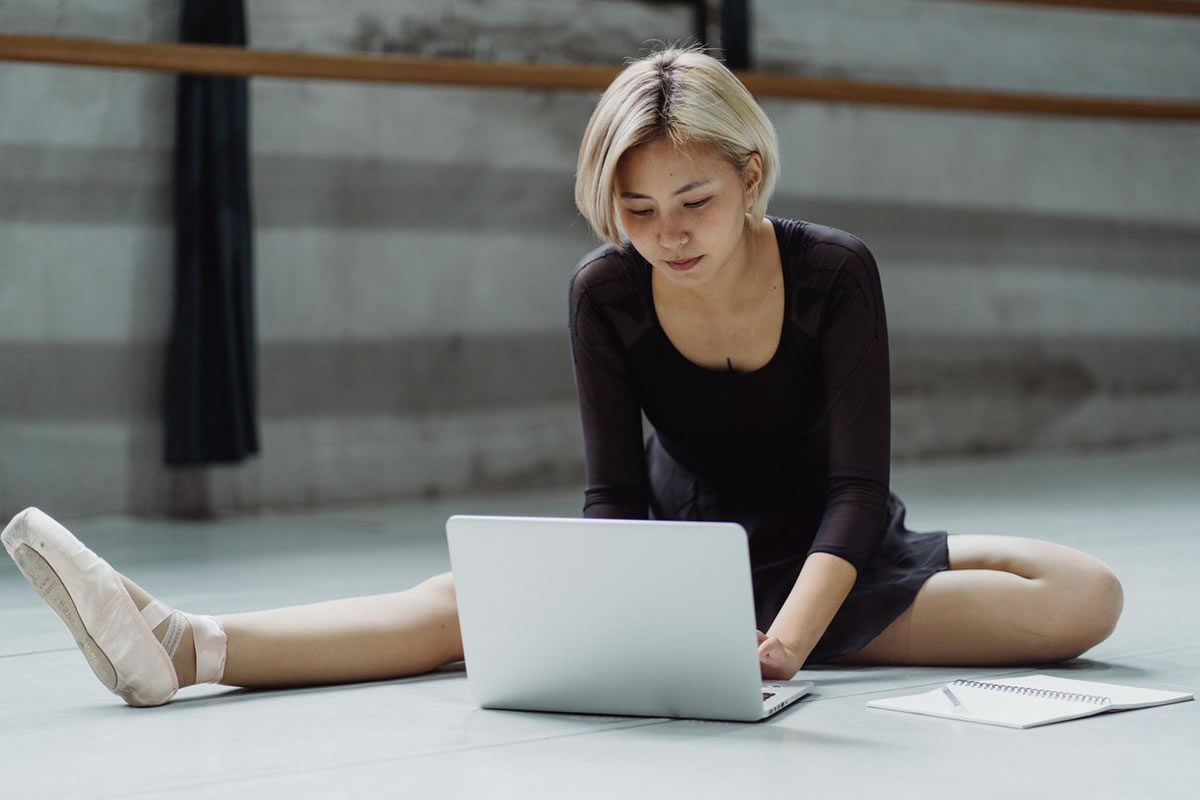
(1104,598)
(439,590)
(1092,603)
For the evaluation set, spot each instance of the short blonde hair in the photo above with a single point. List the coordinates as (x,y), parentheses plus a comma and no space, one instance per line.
(687,96)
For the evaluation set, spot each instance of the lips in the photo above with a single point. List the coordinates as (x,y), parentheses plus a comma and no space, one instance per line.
(685,265)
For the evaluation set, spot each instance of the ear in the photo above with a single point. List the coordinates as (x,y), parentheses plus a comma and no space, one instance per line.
(752,176)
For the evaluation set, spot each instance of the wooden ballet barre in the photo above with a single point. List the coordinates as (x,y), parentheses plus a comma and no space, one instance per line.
(237,61)
(240,61)
(763,85)
(1187,8)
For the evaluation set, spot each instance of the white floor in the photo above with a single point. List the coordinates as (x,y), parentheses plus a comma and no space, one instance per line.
(63,735)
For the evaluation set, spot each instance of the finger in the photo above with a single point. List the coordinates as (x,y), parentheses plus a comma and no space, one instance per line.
(762,637)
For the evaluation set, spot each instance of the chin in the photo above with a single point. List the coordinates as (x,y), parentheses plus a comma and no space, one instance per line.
(692,277)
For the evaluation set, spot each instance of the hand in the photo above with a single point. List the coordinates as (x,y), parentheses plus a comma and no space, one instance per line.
(776,661)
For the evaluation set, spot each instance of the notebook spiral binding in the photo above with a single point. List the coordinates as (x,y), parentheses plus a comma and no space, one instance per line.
(1029,691)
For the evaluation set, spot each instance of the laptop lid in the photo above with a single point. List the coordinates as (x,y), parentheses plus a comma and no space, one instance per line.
(628,617)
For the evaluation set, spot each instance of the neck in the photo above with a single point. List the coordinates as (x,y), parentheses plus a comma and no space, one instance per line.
(731,284)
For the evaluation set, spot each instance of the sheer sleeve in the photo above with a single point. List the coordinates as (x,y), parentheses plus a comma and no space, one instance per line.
(609,400)
(854,356)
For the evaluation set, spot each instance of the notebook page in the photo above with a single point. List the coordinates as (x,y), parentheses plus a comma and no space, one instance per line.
(1026,704)
(989,707)
(1020,710)
(1119,696)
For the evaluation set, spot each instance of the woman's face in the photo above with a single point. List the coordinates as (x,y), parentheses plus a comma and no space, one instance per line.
(684,209)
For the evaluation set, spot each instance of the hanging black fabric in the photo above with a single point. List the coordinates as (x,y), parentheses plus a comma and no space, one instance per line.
(211,375)
(735,33)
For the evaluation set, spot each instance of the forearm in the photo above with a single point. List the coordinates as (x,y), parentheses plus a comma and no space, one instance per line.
(818,593)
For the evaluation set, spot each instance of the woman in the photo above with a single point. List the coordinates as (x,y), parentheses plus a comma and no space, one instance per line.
(757,348)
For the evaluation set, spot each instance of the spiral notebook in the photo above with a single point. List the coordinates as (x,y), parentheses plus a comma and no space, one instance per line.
(1027,701)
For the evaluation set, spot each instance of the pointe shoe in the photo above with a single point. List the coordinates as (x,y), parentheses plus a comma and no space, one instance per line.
(90,597)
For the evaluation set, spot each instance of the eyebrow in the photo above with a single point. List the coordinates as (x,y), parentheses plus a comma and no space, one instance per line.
(681,190)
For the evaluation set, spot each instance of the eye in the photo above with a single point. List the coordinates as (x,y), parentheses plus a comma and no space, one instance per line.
(697,203)
(640,212)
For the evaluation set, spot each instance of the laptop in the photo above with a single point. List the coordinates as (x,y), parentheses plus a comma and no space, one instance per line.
(613,617)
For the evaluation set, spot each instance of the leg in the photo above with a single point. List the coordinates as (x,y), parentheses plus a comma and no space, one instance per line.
(338,641)
(144,651)
(1004,600)
(355,639)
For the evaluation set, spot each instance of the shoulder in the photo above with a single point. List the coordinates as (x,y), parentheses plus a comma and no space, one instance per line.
(821,248)
(604,266)
(610,277)
(828,268)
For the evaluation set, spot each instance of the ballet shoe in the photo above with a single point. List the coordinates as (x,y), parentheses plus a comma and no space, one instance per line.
(91,599)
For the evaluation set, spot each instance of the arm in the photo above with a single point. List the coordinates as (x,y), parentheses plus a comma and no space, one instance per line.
(818,593)
(858,407)
(609,409)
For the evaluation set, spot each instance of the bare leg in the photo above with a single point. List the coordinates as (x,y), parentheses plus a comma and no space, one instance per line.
(355,639)
(1004,600)
(340,641)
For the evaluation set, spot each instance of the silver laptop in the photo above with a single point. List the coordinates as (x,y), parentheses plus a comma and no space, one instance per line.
(615,617)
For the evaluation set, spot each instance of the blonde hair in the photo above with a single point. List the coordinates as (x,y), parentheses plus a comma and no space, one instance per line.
(682,94)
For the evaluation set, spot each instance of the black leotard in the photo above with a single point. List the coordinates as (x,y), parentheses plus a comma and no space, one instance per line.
(796,451)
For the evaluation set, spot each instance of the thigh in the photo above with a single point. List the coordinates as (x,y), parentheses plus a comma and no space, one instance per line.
(1004,600)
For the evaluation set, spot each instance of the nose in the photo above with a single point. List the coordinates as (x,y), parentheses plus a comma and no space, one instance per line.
(672,235)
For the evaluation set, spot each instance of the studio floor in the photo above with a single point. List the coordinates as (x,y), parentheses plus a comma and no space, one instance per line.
(63,735)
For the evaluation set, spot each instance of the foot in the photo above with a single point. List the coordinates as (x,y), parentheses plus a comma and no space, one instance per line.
(109,616)
(184,659)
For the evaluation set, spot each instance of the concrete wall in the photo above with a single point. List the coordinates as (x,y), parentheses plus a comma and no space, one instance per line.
(413,243)
(1042,275)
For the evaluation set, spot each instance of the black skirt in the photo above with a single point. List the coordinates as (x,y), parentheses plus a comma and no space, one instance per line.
(883,590)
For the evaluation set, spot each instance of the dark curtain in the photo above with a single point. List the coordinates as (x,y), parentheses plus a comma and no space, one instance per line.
(211,404)
(735,33)
(733,16)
